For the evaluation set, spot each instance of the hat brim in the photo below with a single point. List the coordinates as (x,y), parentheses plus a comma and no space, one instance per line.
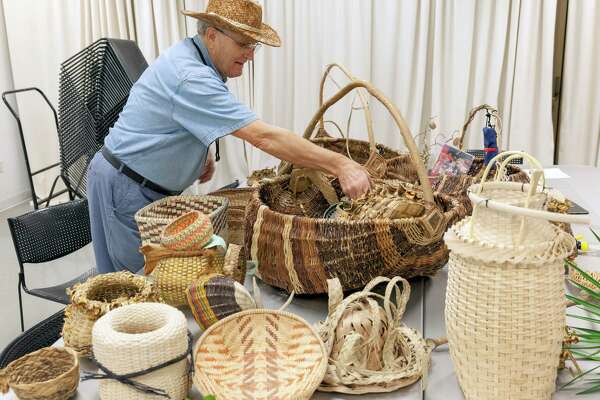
(265,34)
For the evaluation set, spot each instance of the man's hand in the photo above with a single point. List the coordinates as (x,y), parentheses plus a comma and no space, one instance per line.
(209,169)
(354,179)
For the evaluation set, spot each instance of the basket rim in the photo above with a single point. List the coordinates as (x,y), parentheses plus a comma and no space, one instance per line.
(78,294)
(141,217)
(68,350)
(260,311)
(170,313)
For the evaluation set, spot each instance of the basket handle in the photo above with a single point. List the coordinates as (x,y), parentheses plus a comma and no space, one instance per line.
(363,101)
(507,157)
(398,119)
(479,201)
(459,141)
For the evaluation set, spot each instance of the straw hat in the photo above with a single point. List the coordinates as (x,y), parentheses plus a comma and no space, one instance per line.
(239,16)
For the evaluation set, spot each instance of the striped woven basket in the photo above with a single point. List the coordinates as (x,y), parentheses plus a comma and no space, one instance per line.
(260,354)
(153,218)
(191,231)
(299,253)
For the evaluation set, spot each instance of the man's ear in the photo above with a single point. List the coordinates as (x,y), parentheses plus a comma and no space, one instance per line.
(211,34)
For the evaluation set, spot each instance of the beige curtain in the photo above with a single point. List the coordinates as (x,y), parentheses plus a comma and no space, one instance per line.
(579,104)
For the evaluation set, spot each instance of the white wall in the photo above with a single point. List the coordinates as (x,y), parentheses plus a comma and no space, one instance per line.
(13,179)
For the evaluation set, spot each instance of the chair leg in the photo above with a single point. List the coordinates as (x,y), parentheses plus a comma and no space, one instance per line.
(21,308)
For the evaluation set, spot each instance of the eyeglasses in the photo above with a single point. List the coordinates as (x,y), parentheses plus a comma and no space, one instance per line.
(246,46)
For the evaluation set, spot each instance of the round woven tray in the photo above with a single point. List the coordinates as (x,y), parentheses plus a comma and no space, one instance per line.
(51,373)
(95,297)
(153,218)
(260,354)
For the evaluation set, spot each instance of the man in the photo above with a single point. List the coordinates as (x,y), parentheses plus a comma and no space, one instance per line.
(177,108)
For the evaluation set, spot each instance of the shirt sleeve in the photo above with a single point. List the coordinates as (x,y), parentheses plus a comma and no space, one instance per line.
(204,106)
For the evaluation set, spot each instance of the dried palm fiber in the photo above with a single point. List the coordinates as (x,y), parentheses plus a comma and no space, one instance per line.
(505,304)
(152,219)
(234,264)
(139,336)
(95,297)
(51,373)
(370,349)
(174,270)
(260,354)
(236,212)
(191,231)
(388,199)
(214,297)
(298,251)
(378,159)
(257,176)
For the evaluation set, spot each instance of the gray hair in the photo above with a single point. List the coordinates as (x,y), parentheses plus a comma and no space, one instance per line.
(202,26)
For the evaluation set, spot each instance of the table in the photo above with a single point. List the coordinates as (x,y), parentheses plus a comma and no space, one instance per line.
(425,311)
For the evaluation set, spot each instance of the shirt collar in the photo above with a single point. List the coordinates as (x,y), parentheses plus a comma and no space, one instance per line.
(198,40)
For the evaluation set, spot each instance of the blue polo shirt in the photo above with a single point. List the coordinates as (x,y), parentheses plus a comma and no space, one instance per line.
(175,110)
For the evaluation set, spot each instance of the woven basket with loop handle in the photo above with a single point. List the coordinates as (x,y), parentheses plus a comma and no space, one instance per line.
(380,160)
(370,349)
(298,251)
(505,300)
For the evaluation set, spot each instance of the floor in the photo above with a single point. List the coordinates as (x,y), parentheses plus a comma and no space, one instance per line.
(35,309)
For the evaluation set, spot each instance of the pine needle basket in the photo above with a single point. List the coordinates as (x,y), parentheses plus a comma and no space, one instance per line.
(51,373)
(95,297)
(260,354)
(236,212)
(370,350)
(299,253)
(505,300)
(153,218)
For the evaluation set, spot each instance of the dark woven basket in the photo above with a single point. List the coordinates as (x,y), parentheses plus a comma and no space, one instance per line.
(298,252)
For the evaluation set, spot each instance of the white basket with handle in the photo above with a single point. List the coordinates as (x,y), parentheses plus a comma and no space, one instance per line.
(505,300)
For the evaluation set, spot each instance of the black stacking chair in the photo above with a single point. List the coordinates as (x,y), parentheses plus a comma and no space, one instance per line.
(94,85)
(41,335)
(48,234)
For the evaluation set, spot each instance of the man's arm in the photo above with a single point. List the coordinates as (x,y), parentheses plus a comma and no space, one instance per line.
(287,146)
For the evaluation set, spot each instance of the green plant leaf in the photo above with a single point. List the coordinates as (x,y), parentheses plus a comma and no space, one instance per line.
(583,273)
(595,321)
(578,377)
(594,294)
(595,309)
(595,234)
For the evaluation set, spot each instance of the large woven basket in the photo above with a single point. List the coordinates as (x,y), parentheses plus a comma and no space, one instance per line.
(137,337)
(95,297)
(260,354)
(505,304)
(236,212)
(153,218)
(51,373)
(299,253)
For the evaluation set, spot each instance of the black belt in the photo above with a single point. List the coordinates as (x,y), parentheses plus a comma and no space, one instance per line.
(128,172)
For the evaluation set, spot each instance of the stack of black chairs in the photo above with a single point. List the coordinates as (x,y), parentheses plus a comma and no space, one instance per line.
(94,86)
